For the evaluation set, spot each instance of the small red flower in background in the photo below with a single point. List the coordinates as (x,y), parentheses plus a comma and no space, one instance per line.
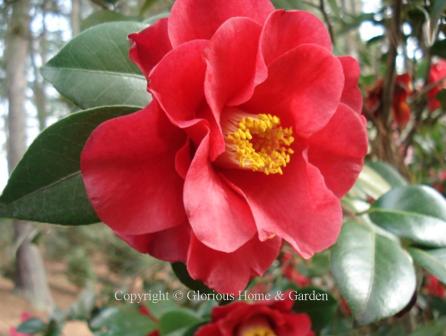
(253,136)
(434,287)
(436,74)
(273,318)
(400,108)
(290,272)
(25,316)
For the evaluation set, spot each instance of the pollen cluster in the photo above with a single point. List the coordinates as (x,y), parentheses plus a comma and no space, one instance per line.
(257,142)
(258,331)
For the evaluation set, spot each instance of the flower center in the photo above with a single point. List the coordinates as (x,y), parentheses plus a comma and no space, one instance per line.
(256,142)
(259,331)
(256,327)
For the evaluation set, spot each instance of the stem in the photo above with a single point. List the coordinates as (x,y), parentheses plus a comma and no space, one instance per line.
(327,20)
(389,79)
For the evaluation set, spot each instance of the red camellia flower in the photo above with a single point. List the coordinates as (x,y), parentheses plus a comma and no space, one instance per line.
(253,135)
(434,287)
(400,108)
(437,73)
(273,318)
(289,271)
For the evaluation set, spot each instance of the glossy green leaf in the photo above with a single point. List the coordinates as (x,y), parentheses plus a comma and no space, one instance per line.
(388,173)
(373,273)
(93,69)
(321,312)
(103,16)
(417,213)
(32,326)
(123,320)
(46,185)
(177,322)
(438,8)
(370,183)
(433,261)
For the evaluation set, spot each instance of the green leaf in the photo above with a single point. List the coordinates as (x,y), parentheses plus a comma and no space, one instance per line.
(123,320)
(433,261)
(374,274)
(388,173)
(370,183)
(435,328)
(176,323)
(103,16)
(437,11)
(93,69)
(441,97)
(32,326)
(180,271)
(439,48)
(417,213)
(321,311)
(46,185)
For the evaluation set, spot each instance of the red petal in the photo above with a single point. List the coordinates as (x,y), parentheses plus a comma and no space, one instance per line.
(183,159)
(149,46)
(296,206)
(234,67)
(230,272)
(128,167)
(296,325)
(169,245)
(199,19)
(177,82)
(285,30)
(303,88)
(351,95)
(218,215)
(209,330)
(338,150)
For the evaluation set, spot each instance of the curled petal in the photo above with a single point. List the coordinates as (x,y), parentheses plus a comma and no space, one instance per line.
(128,168)
(233,64)
(199,19)
(177,82)
(149,46)
(285,30)
(296,206)
(169,245)
(230,272)
(303,88)
(218,215)
(351,95)
(338,150)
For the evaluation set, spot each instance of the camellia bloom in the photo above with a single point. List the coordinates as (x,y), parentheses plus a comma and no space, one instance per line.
(253,135)
(436,75)
(266,319)
(434,287)
(400,107)
(289,271)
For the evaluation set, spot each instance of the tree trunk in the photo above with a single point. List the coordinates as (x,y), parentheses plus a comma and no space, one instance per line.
(75,17)
(30,273)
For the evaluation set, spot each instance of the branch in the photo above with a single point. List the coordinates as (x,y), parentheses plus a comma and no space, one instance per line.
(389,79)
(327,20)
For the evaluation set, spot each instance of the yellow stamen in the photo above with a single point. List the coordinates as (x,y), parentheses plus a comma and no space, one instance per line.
(257,142)
(259,331)
(257,326)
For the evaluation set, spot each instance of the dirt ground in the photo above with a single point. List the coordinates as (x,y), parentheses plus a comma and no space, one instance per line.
(64,294)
